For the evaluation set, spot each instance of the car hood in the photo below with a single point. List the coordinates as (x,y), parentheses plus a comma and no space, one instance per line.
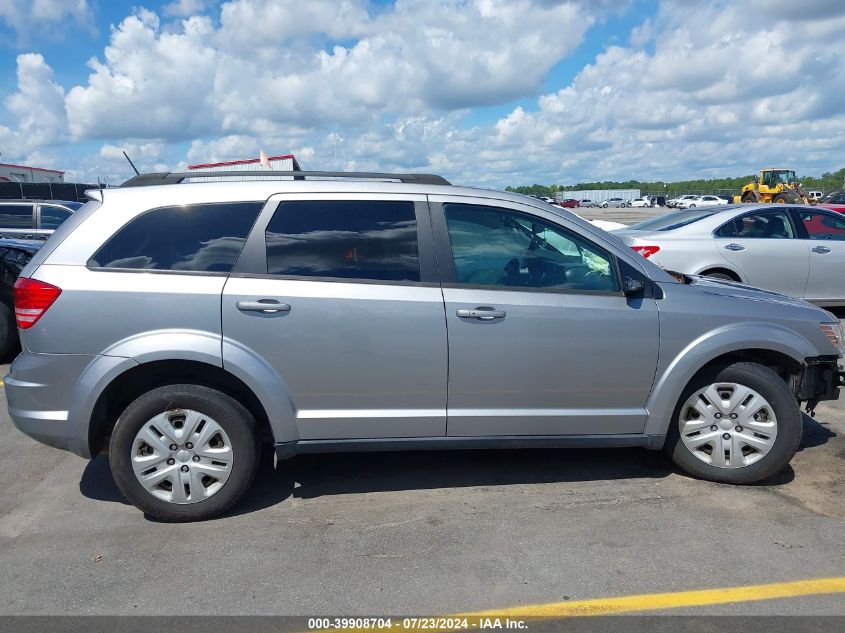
(737,290)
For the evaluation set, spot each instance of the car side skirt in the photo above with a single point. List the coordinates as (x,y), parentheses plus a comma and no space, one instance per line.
(286,450)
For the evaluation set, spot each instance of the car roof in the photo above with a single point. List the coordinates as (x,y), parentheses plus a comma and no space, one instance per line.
(37,201)
(263,189)
(25,245)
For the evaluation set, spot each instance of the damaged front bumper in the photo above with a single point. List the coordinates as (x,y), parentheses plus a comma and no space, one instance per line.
(820,380)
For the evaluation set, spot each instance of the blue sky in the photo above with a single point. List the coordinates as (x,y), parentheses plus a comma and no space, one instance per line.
(489,92)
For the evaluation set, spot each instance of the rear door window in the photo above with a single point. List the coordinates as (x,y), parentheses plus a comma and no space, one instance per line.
(16,216)
(373,240)
(761,225)
(191,238)
(823,226)
(52,216)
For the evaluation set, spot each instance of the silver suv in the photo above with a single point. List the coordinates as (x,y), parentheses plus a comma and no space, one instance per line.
(180,325)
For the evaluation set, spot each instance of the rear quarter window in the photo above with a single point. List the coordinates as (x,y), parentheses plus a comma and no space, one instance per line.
(190,238)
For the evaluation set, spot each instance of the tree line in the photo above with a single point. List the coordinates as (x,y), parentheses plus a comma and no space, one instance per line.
(827,182)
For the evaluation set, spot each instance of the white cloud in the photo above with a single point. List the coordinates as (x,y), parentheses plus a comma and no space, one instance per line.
(151,84)
(273,64)
(185,8)
(33,20)
(37,107)
(348,85)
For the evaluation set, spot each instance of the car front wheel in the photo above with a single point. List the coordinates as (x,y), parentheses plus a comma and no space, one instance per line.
(739,424)
(184,452)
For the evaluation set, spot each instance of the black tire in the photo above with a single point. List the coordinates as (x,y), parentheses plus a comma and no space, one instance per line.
(8,331)
(718,275)
(232,417)
(749,198)
(790,425)
(782,198)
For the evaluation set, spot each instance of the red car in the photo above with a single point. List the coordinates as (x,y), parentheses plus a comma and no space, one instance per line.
(835,201)
(570,203)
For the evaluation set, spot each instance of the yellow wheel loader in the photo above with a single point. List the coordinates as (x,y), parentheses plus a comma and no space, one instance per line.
(774,185)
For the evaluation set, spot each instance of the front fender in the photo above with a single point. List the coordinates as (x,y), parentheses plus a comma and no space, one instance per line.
(709,346)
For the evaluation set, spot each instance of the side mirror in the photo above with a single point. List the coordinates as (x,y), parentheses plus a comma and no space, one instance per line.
(632,287)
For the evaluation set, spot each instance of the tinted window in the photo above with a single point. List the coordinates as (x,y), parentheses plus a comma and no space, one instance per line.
(375,240)
(15,216)
(499,247)
(764,225)
(728,230)
(201,237)
(52,216)
(821,226)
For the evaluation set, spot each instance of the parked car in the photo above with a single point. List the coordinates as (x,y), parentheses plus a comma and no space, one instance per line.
(613,202)
(814,196)
(795,250)
(570,203)
(656,201)
(834,201)
(607,225)
(31,219)
(701,201)
(675,202)
(181,325)
(637,202)
(604,225)
(14,256)
(587,203)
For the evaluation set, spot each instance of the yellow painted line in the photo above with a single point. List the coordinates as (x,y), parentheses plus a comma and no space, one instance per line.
(477,620)
(673,600)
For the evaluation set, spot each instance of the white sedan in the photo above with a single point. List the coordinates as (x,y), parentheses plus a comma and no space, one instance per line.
(701,201)
(638,202)
(796,250)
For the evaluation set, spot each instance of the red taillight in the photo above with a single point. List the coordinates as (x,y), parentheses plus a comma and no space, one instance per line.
(646,251)
(32,298)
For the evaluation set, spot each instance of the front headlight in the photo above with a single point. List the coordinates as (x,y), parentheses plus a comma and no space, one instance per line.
(833,332)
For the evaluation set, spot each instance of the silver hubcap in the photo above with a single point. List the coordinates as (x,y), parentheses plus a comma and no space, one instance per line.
(728,425)
(182,456)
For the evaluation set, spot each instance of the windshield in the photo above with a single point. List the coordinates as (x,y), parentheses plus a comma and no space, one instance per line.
(672,220)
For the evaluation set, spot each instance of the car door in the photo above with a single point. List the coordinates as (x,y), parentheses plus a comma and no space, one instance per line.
(823,233)
(763,246)
(49,218)
(339,294)
(541,339)
(17,220)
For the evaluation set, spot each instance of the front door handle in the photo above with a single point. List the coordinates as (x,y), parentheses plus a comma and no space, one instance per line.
(735,247)
(482,313)
(268,306)
(821,249)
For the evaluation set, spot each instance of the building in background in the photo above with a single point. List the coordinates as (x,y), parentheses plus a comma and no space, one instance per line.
(598,195)
(287,162)
(24,173)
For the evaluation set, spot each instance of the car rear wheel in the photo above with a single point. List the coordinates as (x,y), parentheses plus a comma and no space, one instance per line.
(718,275)
(8,330)
(184,452)
(739,424)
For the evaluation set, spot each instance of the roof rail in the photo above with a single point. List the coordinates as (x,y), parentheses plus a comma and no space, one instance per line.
(173,177)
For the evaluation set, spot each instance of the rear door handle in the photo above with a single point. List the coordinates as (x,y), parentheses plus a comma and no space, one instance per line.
(821,249)
(482,313)
(268,306)
(735,247)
